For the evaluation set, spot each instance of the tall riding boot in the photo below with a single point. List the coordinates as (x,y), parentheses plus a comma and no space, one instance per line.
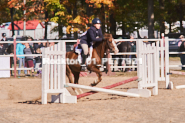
(83,66)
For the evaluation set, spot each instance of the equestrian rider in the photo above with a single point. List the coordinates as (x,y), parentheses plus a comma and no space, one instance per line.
(91,35)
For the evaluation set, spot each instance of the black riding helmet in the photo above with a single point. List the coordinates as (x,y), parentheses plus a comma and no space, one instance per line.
(4,34)
(96,21)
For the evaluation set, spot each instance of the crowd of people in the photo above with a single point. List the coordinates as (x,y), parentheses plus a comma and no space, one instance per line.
(25,61)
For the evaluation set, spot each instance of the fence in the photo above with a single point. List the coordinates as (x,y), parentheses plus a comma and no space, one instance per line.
(158,42)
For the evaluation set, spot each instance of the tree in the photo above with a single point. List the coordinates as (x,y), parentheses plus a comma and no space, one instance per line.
(4,10)
(150,19)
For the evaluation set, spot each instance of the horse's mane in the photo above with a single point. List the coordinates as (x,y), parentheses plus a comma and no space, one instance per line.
(106,36)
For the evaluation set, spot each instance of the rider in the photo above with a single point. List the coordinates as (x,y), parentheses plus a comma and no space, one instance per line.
(91,35)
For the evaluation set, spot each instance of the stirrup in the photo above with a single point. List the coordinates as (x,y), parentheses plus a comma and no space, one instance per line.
(99,65)
(83,67)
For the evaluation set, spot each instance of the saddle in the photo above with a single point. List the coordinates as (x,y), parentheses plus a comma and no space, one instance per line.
(79,51)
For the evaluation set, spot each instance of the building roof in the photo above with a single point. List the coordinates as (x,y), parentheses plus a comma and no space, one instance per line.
(30,25)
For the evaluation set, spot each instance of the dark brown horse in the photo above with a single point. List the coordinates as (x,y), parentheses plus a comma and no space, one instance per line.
(99,48)
(122,47)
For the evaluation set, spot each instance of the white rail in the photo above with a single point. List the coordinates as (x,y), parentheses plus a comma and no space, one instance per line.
(120,53)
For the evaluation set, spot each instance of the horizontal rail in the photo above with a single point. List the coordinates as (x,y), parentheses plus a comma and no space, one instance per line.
(123,66)
(103,90)
(124,53)
(21,55)
(20,69)
(176,65)
(176,52)
(117,40)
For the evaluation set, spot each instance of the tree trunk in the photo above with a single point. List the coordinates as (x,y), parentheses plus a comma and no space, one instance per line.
(123,29)
(69,11)
(74,16)
(113,24)
(60,26)
(46,24)
(161,20)
(103,18)
(181,17)
(170,28)
(12,21)
(150,19)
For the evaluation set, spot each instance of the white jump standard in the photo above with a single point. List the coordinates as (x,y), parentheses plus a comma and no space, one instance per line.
(54,79)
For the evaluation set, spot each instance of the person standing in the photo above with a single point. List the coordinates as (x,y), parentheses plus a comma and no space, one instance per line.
(29,59)
(5,45)
(181,40)
(2,49)
(21,59)
(182,56)
(133,49)
(32,46)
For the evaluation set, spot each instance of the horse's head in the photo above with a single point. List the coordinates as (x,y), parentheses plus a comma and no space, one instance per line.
(111,43)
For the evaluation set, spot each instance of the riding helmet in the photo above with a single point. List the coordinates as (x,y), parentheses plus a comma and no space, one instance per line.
(4,34)
(96,21)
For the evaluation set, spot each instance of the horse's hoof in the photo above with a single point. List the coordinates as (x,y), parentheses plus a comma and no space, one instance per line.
(93,84)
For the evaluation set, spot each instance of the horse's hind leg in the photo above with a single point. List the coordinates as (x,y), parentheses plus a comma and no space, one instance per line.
(98,73)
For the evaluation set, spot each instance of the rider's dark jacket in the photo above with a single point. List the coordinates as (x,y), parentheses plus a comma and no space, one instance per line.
(92,35)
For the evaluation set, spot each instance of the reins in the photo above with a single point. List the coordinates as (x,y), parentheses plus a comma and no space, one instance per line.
(100,50)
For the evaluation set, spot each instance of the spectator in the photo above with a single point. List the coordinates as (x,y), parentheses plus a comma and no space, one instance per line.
(29,59)
(51,44)
(44,44)
(182,56)
(147,42)
(2,49)
(32,45)
(133,49)
(180,41)
(30,39)
(36,46)
(38,60)
(4,39)
(21,59)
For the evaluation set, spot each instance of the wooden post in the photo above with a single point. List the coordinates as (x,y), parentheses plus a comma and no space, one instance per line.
(14,42)
(108,64)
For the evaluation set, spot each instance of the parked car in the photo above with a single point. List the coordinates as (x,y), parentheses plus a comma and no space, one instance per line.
(173,46)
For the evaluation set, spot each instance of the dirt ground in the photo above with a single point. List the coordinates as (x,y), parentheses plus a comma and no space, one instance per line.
(20,103)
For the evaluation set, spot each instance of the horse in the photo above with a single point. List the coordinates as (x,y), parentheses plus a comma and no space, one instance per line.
(122,47)
(99,48)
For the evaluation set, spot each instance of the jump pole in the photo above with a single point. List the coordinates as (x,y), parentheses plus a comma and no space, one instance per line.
(108,87)
(179,73)
(103,90)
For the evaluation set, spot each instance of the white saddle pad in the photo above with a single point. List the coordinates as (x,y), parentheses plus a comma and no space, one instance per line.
(79,51)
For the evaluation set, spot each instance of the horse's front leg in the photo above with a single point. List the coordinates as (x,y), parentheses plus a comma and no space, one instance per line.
(98,73)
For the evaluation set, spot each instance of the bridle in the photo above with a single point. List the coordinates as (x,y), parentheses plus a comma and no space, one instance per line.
(110,47)
(114,45)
